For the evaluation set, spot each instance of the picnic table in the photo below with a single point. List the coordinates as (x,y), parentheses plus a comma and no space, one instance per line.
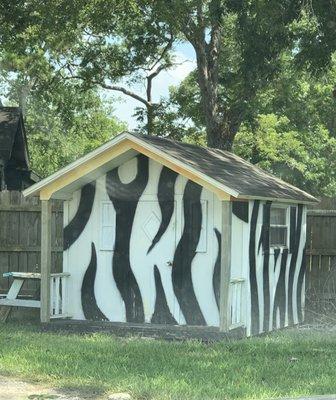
(19,278)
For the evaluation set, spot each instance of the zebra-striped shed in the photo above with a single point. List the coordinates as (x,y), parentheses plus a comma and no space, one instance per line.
(162,232)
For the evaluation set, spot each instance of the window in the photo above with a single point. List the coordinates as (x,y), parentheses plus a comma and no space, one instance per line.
(107,226)
(278,226)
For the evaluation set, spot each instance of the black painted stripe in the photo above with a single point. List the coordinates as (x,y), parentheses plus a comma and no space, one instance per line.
(162,314)
(300,285)
(216,273)
(264,239)
(292,267)
(125,198)
(276,256)
(90,308)
(292,229)
(253,275)
(185,253)
(280,292)
(76,226)
(265,229)
(166,201)
(241,210)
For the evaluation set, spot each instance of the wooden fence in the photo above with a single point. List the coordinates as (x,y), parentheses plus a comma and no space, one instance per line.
(321,258)
(20,237)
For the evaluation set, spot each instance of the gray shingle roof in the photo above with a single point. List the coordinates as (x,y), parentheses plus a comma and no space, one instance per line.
(230,170)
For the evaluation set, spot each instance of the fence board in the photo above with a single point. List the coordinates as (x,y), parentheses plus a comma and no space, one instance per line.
(321,258)
(20,237)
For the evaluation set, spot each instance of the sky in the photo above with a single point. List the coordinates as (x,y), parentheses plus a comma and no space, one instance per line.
(124,105)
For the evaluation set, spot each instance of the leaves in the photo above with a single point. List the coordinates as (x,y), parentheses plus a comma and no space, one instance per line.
(303,158)
(67,126)
(265,78)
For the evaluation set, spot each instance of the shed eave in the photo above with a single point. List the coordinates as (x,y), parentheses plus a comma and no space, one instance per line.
(278,199)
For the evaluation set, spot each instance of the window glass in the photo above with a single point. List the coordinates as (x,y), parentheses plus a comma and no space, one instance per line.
(278,216)
(278,227)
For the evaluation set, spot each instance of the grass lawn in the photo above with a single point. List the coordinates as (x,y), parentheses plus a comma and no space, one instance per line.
(252,368)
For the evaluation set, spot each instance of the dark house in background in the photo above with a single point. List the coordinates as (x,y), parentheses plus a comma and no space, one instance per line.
(15,173)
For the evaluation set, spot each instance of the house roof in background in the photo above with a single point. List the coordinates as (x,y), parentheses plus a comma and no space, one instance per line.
(13,141)
(221,170)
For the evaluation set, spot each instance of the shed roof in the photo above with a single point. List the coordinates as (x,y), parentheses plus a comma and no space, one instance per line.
(218,170)
(233,171)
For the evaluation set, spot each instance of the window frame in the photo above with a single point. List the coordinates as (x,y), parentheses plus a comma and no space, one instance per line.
(287,208)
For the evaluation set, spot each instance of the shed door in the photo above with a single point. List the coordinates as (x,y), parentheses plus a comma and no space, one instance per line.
(153,245)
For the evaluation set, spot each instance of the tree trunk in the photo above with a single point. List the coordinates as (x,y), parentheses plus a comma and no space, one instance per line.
(219,137)
(220,133)
(207,56)
(150,119)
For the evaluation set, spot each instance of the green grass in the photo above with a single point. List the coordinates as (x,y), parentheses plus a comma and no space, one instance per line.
(252,368)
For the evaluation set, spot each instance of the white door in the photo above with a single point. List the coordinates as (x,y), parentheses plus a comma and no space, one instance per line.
(152,249)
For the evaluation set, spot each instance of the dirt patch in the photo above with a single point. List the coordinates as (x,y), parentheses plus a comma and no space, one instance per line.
(15,389)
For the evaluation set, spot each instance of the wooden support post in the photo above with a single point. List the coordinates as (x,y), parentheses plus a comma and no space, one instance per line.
(225,275)
(45,260)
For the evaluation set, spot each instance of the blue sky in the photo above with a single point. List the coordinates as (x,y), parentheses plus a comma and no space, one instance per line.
(124,105)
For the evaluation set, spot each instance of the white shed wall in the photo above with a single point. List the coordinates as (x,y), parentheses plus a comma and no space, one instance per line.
(100,230)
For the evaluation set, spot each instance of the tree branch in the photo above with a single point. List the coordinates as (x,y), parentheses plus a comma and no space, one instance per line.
(150,78)
(125,91)
(164,52)
(115,88)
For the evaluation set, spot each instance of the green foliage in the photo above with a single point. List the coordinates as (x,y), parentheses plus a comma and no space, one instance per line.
(63,124)
(172,123)
(293,134)
(266,88)
(314,33)
(289,124)
(63,127)
(303,158)
(63,121)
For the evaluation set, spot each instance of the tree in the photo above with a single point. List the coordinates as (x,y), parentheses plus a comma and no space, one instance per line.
(34,36)
(315,35)
(238,45)
(63,128)
(63,124)
(289,127)
(305,158)
(106,42)
(63,121)
(121,45)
